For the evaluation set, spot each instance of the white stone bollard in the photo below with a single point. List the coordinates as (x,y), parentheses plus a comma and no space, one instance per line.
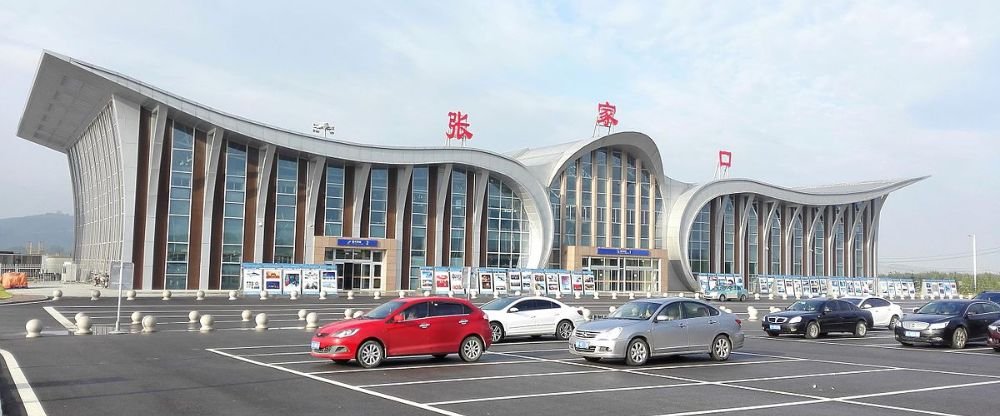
(263,295)
(378,295)
(232,295)
(293,295)
(784,296)
(136,318)
(246,315)
(773,309)
(78,316)
(517,293)
(130,295)
(922,297)
(649,295)
(199,295)
(756,296)
(95,294)
(597,295)
(302,314)
(312,320)
(587,314)
(913,296)
(451,294)
(680,294)
(697,295)
(358,314)
(770,296)
(611,309)
(322,295)
(350,295)
(206,323)
(614,295)
(56,294)
(193,317)
(752,311)
(402,294)
(472,294)
(631,295)
(496,295)
(149,324)
(33,328)
(166,295)
(348,313)
(83,325)
(261,320)
(538,293)
(576,295)
(427,293)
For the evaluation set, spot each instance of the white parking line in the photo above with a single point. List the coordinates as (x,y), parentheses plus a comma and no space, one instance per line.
(255,347)
(969,351)
(344,385)
(28,399)
(60,318)
(415,367)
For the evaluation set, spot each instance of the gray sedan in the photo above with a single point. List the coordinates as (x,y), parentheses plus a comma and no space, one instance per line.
(644,328)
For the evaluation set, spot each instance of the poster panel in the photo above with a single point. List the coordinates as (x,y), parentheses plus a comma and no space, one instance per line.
(329,280)
(703,282)
(551,282)
(538,281)
(589,285)
(779,285)
(291,280)
(578,282)
(442,280)
(500,281)
(457,282)
(485,281)
(565,282)
(514,278)
(253,280)
(272,281)
(426,279)
(310,281)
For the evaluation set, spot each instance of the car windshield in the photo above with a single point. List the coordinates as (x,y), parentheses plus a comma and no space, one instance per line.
(497,304)
(807,305)
(384,310)
(720,288)
(635,311)
(942,308)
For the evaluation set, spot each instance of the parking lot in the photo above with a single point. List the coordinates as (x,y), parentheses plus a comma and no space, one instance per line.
(539,376)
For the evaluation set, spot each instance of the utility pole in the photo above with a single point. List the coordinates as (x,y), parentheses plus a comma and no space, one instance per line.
(975,283)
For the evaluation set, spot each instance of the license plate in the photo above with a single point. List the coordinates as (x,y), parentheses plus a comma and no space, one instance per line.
(775,327)
(582,345)
(314,345)
(912,334)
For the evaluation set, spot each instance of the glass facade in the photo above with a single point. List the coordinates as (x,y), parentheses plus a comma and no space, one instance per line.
(420,188)
(233,212)
(569,203)
(179,214)
(753,245)
(859,250)
(728,236)
(819,240)
(700,240)
(774,251)
(287,183)
(838,249)
(601,229)
(506,226)
(378,203)
(616,199)
(334,216)
(624,274)
(459,190)
(586,200)
(797,246)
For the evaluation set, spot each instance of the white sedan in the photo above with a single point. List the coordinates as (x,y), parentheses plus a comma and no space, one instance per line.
(884,313)
(532,315)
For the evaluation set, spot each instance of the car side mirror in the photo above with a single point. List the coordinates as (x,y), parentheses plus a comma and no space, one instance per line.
(915,310)
(397,318)
(512,310)
(866,306)
(826,310)
(662,318)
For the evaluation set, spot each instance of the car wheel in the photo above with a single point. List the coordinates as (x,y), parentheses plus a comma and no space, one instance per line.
(959,338)
(861,329)
(472,349)
(592,359)
(721,348)
(564,330)
(743,298)
(340,361)
(496,331)
(812,330)
(370,354)
(440,356)
(893,322)
(637,352)
(722,298)
(771,334)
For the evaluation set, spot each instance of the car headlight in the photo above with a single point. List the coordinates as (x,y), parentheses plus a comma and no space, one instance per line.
(939,325)
(346,333)
(795,320)
(994,328)
(610,334)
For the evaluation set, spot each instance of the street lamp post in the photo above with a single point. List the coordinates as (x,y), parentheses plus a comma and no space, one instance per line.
(975,283)
(324,127)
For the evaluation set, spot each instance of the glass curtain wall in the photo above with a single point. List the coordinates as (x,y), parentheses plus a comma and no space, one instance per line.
(630,196)
(378,202)
(233,211)
(506,226)
(838,245)
(586,199)
(601,157)
(775,244)
(287,183)
(334,225)
(859,251)
(819,237)
(797,246)
(753,238)
(179,210)
(728,236)
(459,190)
(699,241)
(616,199)
(419,187)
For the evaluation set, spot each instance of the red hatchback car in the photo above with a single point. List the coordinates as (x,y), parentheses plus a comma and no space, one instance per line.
(993,336)
(435,326)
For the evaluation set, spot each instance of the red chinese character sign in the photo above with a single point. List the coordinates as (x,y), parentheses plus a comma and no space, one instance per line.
(458,127)
(606,116)
(725,162)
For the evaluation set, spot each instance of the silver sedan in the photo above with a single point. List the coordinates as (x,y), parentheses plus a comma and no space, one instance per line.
(645,328)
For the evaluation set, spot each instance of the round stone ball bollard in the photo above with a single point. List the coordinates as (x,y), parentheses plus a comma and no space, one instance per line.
(350,295)
(312,320)
(293,295)
(130,295)
(587,314)
(770,296)
(773,309)
(517,293)
(322,295)
(358,314)
(199,295)
(697,295)
(427,293)
(612,309)
(631,295)
(78,316)
(557,295)
(302,314)
(149,324)
(402,294)
(597,295)
(451,294)
(136,318)
(752,311)
(756,296)
(263,295)
(193,317)
(83,325)
(33,328)
(496,295)
(246,315)
(680,294)
(261,320)
(348,313)
(649,295)
(207,322)
(576,295)
(232,295)
(614,295)
(472,294)
(95,294)
(784,296)
(166,295)
(56,294)
(378,295)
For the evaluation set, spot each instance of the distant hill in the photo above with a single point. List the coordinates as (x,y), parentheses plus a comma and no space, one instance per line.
(54,231)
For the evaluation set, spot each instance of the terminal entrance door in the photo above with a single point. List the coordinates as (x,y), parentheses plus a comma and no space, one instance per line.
(357,269)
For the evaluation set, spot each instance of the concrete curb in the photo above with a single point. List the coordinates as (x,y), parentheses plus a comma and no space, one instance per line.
(18,299)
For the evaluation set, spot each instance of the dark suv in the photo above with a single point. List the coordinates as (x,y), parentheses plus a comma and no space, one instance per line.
(990,295)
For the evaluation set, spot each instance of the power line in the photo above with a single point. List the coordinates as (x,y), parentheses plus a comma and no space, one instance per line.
(983,252)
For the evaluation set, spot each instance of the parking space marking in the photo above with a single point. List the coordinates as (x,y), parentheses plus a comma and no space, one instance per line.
(256,346)
(969,351)
(268,354)
(902,409)
(32,407)
(60,318)
(423,406)
(415,367)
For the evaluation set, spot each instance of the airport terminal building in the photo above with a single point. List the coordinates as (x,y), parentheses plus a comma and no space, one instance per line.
(188,193)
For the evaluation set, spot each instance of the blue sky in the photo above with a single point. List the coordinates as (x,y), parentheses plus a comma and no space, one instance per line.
(803,93)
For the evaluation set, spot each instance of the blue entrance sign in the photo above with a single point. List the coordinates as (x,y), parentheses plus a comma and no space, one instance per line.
(356,242)
(622,251)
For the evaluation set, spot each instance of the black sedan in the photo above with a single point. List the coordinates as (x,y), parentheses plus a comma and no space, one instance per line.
(948,322)
(816,317)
